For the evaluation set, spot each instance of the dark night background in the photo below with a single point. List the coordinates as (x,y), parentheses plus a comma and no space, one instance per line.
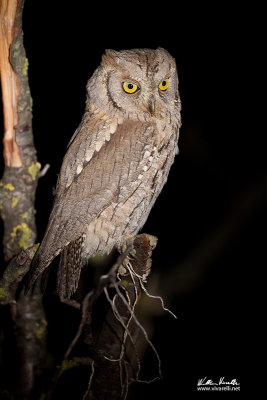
(210,216)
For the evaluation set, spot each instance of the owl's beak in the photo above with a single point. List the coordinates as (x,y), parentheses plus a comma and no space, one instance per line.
(151,105)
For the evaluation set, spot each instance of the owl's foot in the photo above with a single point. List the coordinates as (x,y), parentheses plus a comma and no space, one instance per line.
(140,249)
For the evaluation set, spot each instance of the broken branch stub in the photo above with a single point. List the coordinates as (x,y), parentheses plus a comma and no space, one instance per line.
(115,349)
(19,182)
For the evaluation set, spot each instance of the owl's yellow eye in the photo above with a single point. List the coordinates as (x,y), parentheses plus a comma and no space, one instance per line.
(164,84)
(129,87)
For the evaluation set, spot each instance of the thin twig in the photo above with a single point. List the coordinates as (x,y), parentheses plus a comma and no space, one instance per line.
(90,380)
(147,293)
(143,331)
(44,171)
(79,332)
(118,317)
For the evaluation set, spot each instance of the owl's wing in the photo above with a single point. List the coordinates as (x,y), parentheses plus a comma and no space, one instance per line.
(95,172)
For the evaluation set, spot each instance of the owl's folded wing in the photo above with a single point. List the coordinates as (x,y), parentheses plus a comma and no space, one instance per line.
(94,173)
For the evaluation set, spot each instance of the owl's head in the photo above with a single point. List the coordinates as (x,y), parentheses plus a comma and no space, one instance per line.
(140,83)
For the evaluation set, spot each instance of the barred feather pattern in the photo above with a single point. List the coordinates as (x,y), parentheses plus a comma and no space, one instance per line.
(70,267)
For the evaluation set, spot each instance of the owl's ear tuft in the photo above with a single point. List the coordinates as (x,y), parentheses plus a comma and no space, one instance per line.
(110,58)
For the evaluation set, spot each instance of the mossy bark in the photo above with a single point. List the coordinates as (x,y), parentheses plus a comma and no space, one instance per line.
(18,185)
(17,195)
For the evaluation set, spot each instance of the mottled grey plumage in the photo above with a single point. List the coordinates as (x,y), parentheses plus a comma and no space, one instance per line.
(116,164)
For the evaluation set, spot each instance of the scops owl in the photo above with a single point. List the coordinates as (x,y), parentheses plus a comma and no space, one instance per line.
(116,164)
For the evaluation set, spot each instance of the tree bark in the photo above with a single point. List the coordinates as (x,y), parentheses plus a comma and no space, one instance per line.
(17,190)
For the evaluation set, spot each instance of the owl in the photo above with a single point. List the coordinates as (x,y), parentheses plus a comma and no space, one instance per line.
(116,163)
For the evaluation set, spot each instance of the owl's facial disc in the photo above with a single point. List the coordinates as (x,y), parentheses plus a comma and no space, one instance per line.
(139,83)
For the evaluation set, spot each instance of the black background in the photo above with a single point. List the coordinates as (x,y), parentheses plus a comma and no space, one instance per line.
(210,216)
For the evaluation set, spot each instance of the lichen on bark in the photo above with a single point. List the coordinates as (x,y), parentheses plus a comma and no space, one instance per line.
(22,181)
(17,196)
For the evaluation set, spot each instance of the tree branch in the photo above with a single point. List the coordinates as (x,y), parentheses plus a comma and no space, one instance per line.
(14,273)
(116,349)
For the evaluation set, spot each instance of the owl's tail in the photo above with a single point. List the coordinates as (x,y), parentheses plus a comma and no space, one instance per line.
(69,270)
(70,266)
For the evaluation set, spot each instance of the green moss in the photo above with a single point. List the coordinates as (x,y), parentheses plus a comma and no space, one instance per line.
(25,233)
(40,330)
(3,293)
(21,271)
(33,169)
(66,364)
(14,202)
(24,215)
(25,67)
(9,186)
